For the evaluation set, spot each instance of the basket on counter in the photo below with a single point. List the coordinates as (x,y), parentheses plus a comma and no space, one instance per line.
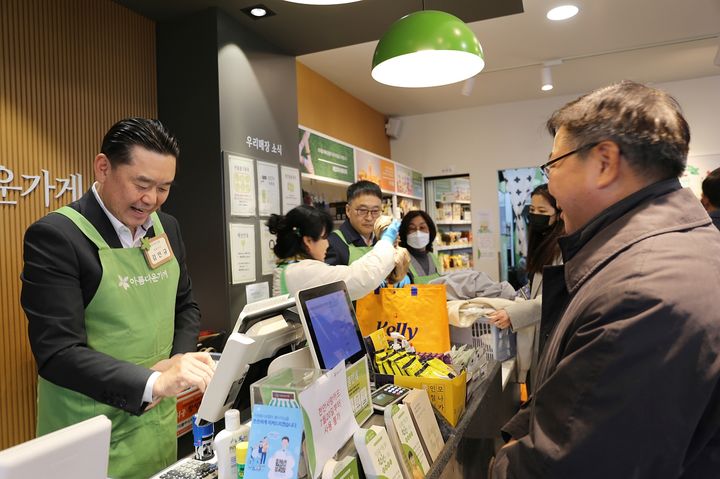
(498,344)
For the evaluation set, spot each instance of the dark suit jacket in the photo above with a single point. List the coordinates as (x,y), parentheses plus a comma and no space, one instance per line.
(338,252)
(61,275)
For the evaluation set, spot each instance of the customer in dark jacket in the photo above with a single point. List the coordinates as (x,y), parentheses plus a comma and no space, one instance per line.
(711,196)
(629,380)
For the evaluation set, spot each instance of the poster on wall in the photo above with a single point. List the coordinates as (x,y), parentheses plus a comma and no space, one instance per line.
(291,191)
(417,182)
(324,157)
(697,169)
(242,186)
(403,180)
(267,242)
(387,175)
(368,166)
(268,189)
(242,253)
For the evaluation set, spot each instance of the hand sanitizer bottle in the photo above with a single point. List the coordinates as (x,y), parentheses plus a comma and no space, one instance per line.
(224,444)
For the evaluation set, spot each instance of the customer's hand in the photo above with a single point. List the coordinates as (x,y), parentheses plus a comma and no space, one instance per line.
(391,232)
(181,372)
(403,282)
(500,318)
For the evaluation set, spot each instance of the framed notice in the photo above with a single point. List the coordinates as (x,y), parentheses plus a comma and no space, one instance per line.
(291,191)
(242,253)
(242,186)
(268,189)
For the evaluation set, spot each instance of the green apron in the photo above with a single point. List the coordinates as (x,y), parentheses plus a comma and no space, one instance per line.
(283,284)
(131,317)
(356,252)
(417,279)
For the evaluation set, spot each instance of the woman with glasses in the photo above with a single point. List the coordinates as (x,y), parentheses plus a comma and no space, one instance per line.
(301,242)
(417,233)
(545,226)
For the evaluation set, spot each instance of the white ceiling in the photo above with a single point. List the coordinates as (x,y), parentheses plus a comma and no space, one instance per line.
(609,40)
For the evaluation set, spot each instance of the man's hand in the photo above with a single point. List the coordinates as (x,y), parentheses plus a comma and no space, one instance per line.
(181,372)
(500,318)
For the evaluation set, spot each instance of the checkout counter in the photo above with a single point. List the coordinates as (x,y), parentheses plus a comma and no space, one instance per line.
(278,341)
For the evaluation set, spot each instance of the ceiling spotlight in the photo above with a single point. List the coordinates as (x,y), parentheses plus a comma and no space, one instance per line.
(322,2)
(547,83)
(562,12)
(257,11)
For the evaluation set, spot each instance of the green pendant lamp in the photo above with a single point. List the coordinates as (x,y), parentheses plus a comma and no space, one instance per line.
(427,48)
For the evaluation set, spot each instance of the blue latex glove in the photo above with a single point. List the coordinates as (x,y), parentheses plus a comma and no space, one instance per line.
(391,232)
(403,282)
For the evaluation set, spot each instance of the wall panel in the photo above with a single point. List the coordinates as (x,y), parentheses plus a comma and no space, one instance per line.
(68,71)
(325,107)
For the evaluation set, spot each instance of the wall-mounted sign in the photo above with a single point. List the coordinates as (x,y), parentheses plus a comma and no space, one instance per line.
(267,146)
(368,167)
(417,184)
(403,180)
(268,189)
(290,186)
(326,158)
(13,190)
(387,175)
(242,186)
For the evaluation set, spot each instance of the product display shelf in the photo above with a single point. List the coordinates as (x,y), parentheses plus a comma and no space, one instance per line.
(450,247)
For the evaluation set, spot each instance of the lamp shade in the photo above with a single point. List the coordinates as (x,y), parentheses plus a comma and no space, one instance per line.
(425,49)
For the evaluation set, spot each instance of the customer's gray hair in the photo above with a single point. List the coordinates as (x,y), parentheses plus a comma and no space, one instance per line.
(645,122)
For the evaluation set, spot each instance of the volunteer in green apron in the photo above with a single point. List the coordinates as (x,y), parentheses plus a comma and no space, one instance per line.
(355,238)
(417,234)
(301,240)
(110,311)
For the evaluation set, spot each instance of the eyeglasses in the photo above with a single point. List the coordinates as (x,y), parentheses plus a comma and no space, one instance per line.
(364,212)
(546,167)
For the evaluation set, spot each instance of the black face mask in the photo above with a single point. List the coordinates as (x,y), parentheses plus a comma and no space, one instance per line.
(540,223)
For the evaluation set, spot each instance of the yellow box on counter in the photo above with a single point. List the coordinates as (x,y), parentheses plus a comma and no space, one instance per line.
(446,395)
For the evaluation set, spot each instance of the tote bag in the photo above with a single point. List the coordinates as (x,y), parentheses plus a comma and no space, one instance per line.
(418,312)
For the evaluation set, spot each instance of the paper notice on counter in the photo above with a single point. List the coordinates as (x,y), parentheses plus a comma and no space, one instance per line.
(332,422)
(268,189)
(291,191)
(242,253)
(242,186)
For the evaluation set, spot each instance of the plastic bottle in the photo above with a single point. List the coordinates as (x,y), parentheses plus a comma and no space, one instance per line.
(240,457)
(224,444)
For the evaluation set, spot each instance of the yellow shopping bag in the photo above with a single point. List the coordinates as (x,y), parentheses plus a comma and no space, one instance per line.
(418,312)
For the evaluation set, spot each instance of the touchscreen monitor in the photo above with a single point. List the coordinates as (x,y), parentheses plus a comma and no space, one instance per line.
(330,325)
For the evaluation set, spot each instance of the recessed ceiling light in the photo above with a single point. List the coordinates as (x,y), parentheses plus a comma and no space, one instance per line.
(562,12)
(258,11)
(322,2)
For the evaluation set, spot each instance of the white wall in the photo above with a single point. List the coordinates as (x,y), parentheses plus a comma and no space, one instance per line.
(481,141)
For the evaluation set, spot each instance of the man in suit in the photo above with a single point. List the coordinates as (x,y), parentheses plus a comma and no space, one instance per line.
(711,196)
(111,317)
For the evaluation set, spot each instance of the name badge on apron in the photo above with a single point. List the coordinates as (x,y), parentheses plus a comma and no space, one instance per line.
(157,250)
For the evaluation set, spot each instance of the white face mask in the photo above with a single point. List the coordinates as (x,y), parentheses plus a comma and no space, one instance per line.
(418,239)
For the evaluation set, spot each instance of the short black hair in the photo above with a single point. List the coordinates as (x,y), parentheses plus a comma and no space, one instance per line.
(405,224)
(147,133)
(646,123)
(711,187)
(363,187)
(300,221)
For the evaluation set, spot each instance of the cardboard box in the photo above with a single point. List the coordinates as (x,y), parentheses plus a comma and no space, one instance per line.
(446,395)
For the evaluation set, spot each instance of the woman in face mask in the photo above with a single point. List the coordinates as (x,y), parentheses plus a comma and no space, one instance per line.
(417,233)
(544,227)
